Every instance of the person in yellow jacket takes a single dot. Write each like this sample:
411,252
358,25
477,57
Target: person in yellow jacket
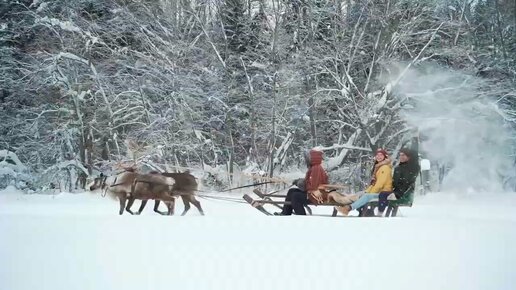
381,182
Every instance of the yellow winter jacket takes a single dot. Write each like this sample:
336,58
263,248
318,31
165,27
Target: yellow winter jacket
383,177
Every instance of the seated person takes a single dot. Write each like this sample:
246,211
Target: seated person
381,182
308,191
404,178
406,173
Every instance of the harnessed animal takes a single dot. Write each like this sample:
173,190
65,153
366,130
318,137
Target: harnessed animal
129,186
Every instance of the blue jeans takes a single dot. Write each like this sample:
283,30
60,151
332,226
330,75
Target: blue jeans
363,200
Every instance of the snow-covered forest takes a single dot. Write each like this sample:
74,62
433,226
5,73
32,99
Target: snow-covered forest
237,92
248,85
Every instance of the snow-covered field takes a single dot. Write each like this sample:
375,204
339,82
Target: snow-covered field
77,241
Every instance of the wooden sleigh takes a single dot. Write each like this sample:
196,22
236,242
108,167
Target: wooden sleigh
278,200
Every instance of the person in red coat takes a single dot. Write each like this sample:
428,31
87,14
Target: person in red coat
307,190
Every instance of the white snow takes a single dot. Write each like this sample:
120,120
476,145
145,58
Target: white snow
65,25
12,157
77,241
42,7
460,128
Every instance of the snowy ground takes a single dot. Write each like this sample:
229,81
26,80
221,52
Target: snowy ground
77,241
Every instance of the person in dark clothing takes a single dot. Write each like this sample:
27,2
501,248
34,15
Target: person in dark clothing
406,173
404,178
307,190
297,197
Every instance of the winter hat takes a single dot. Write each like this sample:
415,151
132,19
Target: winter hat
384,153
316,157
407,152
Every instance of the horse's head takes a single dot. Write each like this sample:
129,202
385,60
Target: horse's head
98,182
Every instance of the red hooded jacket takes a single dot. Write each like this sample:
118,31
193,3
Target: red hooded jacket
315,176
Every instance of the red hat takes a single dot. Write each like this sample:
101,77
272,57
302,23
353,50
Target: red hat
380,150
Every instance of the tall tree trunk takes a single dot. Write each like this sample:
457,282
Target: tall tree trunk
273,133
500,29
311,111
254,149
231,158
311,104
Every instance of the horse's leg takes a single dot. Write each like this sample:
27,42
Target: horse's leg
196,203
130,196
171,205
122,199
142,206
168,200
156,206
186,203
129,204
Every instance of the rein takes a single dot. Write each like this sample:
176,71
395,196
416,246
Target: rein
249,185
